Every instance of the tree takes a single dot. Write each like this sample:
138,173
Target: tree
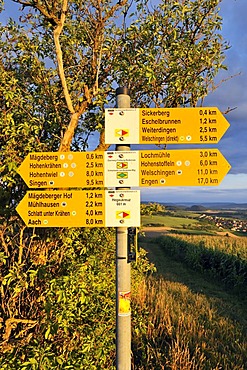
152,209
168,54
77,32
173,51
61,63
59,66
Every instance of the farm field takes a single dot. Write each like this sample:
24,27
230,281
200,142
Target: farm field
168,221
208,222
186,225
206,313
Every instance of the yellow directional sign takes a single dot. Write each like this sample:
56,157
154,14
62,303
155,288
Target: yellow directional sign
59,170
77,208
195,167
192,167
204,125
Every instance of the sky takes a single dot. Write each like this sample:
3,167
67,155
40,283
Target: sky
230,94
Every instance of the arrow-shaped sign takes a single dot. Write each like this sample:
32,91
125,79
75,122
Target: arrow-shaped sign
77,208
122,164
123,214
121,132
204,125
59,170
193,167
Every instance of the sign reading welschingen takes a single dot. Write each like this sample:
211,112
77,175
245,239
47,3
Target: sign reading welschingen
164,125
80,208
193,167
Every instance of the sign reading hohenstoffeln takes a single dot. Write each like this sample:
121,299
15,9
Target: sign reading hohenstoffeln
193,167
80,208
164,125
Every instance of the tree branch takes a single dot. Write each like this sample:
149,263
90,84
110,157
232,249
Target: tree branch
56,35
69,133
102,146
36,5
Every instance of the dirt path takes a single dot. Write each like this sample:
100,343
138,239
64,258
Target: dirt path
154,232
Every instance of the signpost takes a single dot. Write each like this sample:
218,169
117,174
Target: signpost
121,169
123,268
164,125
77,208
193,167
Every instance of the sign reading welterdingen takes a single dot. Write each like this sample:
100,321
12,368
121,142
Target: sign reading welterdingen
114,208
164,125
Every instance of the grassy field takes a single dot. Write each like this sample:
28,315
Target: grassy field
193,322
169,221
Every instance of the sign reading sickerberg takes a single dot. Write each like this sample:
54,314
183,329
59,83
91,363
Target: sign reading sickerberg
164,125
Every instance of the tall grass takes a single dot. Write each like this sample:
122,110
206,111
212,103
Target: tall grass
176,329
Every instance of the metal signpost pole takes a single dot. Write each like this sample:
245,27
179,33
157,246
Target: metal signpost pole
123,283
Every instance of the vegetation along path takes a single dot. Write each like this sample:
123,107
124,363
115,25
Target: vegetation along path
229,304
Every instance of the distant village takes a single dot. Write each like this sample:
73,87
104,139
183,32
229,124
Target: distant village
226,223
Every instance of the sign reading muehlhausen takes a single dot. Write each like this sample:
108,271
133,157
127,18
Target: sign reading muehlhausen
80,208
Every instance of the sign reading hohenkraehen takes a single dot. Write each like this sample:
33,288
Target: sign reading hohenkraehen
193,167
59,170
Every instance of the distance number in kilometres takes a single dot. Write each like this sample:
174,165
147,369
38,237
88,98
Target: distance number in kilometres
207,112
208,138
89,203
94,178
207,158
94,208
203,172
207,181
208,165
205,129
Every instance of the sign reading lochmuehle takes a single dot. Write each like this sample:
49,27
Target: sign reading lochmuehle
164,125
193,167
